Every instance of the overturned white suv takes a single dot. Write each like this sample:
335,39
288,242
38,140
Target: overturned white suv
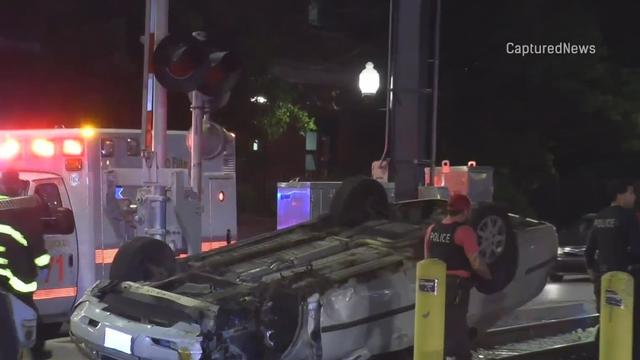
340,287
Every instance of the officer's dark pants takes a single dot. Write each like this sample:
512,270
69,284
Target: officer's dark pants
9,348
38,346
456,330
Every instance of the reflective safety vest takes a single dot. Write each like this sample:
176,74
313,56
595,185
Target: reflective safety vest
20,260
42,260
10,253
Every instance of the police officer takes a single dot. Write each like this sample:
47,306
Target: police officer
22,256
614,243
455,243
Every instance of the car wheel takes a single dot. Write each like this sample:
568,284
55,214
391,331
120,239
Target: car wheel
498,246
556,277
143,259
359,199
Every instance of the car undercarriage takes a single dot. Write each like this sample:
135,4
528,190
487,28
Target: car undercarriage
334,288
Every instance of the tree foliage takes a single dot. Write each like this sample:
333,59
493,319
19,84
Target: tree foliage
537,118
285,114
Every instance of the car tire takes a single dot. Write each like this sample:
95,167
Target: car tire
143,259
498,246
359,199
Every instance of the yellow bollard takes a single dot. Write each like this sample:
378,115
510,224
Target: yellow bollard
184,353
616,316
431,287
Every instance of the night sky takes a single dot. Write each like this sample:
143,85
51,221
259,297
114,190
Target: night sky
555,127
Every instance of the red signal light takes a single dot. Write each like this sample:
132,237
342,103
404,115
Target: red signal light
73,164
221,196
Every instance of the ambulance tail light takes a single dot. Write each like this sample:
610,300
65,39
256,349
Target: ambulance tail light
43,148
9,148
73,164
72,147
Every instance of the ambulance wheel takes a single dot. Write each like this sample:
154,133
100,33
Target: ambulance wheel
498,246
143,259
359,199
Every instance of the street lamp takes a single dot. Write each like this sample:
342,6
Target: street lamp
259,100
369,81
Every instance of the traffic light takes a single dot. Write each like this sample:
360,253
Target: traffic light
184,63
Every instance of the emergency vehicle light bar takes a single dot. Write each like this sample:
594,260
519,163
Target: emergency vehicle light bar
9,148
72,147
43,148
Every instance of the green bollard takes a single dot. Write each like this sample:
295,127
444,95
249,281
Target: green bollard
616,316
431,287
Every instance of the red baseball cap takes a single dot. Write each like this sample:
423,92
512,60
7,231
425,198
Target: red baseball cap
459,202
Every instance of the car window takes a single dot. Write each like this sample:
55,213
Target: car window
50,194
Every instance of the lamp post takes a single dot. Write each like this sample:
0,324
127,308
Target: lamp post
369,83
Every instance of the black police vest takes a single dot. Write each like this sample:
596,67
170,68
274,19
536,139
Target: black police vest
444,247
613,229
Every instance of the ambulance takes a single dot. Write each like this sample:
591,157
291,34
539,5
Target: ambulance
99,175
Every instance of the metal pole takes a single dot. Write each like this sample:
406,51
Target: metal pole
389,83
160,25
198,112
436,77
155,119
410,106
147,80
158,199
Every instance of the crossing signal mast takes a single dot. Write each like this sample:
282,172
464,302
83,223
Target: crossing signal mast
188,64
191,64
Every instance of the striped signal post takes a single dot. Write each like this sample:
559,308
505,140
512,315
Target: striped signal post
431,287
616,316
154,96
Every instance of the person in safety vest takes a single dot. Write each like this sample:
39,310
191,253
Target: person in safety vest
456,243
22,256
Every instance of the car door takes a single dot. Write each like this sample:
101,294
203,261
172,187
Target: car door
57,290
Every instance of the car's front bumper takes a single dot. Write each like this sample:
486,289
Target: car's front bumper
89,324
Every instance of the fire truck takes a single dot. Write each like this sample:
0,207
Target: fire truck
100,176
